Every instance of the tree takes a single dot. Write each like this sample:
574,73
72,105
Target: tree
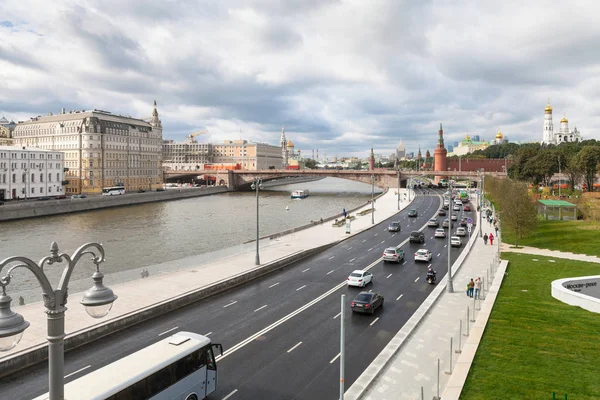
310,163
566,153
587,161
517,211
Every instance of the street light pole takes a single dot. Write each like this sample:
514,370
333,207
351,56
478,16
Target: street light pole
98,301
450,287
559,180
372,198
398,188
481,201
257,185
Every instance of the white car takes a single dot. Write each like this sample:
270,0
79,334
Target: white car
461,231
423,255
440,233
455,241
360,278
454,217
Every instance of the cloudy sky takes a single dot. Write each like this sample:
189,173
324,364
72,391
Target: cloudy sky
341,75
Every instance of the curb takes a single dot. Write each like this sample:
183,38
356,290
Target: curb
39,353
368,377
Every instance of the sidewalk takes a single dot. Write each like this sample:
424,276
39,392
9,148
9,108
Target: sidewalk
414,367
549,253
142,293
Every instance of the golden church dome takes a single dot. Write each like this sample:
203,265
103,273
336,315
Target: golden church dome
564,119
548,108
499,135
467,137
290,144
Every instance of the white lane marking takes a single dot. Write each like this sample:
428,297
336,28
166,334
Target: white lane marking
429,266
375,320
330,271
230,304
172,329
393,235
209,333
337,315
417,279
364,240
383,241
370,249
292,349
376,234
273,285
438,254
79,370
388,276
260,308
229,395
331,258
352,260
309,268
301,287
445,245
405,262
399,297
350,248
334,358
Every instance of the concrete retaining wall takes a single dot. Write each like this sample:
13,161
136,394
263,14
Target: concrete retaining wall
582,291
35,355
32,209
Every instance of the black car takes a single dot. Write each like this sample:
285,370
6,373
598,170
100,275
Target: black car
394,227
366,302
160,189
442,212
141,191
412,213
43,198
417,237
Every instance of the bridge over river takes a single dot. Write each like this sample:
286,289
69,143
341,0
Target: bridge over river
240,179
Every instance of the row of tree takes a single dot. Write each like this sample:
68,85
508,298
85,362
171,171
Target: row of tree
514,206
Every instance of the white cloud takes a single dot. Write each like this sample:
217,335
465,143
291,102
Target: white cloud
340,75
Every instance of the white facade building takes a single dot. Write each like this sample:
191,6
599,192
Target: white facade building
563,135
27,172
401,151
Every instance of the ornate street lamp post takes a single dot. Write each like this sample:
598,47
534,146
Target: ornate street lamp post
256,185
98,301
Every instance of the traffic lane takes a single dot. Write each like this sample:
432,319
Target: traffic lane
104,357
306,326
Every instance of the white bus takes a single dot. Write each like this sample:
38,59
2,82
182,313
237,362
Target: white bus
180,367
113,191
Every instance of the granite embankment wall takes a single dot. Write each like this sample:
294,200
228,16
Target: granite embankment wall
32,209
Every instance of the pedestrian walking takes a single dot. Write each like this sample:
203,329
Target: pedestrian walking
491,237
496,228
471,287
477,287
344,212
485,238
321,220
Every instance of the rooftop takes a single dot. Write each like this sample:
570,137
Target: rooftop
556,203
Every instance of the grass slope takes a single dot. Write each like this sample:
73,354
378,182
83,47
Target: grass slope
575,236
534,344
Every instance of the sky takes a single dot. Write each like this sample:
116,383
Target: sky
340,75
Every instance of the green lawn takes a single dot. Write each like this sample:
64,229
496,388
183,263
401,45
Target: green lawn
580,237
534,344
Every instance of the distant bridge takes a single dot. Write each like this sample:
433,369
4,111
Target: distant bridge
240,179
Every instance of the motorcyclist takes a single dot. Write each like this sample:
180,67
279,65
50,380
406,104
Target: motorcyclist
431,273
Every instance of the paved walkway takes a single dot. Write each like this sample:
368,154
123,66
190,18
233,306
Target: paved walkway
141,293
550,253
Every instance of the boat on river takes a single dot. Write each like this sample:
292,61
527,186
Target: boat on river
300,194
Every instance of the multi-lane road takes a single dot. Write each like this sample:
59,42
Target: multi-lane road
281,332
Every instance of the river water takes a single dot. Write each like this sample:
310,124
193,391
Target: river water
167,235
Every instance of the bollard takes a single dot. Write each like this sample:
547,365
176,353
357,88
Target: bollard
483,286
458,351
422,395
474,301
487,278
450,372
438,381
467,330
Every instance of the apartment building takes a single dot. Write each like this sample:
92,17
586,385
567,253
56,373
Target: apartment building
100,149
30,172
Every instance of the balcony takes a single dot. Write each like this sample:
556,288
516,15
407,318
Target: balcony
65,169
64,183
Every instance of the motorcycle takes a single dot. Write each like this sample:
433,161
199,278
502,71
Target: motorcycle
430,278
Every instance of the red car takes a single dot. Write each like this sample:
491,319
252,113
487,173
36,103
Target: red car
466,208
60,197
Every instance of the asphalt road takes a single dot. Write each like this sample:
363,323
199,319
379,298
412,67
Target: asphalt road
281,332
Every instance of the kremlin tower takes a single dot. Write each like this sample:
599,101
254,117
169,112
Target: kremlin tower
372,160
439,154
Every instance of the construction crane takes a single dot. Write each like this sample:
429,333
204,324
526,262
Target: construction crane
191,136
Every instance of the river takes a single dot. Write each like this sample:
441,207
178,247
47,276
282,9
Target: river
173,234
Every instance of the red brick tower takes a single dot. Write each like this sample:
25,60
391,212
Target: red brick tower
439,155
372,160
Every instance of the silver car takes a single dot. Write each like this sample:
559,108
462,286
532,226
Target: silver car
461,232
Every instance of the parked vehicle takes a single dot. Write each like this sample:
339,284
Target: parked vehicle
394,226
60,197
43,198
360,278
393,254
423,255
79,196
367,302
416,237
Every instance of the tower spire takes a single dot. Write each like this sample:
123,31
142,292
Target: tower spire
440,144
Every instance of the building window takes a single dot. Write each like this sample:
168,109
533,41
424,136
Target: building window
58,177
23,178
41,177
49,177
32,178
14,178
